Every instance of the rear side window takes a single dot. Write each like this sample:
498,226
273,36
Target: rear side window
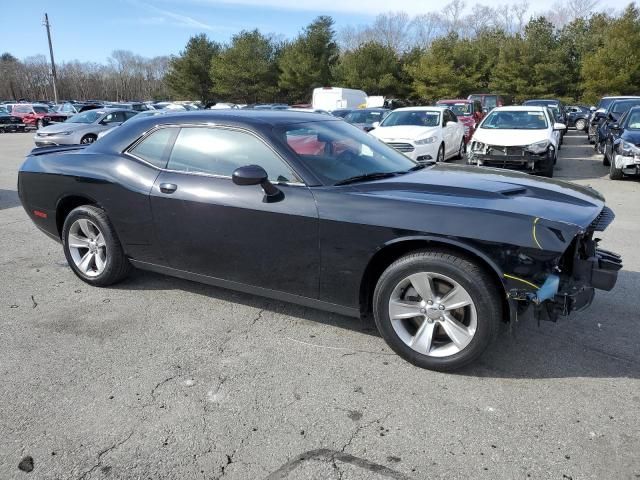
219,151
155,148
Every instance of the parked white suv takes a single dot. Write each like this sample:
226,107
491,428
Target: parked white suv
423,133
520,138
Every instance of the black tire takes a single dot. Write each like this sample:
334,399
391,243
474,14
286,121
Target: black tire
461,150
89,138
472,277
117,267
605,159
440,157
548,170
615,173
581,125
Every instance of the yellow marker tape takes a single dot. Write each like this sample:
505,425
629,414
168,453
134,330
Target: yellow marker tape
534,233
506,275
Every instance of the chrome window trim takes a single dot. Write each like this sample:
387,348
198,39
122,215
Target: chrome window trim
147,133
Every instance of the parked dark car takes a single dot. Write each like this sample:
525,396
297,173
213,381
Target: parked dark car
489,101
342,112
556,107
10,123
612,115
578,117
367,118
309,209
599,114
622,145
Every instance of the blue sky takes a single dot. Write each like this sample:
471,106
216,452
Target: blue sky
91,30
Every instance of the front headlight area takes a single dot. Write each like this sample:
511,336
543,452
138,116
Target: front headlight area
425,141
538,147
627,149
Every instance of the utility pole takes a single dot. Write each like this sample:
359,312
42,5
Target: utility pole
53,63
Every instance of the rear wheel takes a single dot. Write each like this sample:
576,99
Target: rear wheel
436,309
92,248
88,139
581,125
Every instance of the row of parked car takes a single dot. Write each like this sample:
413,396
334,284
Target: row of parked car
21,116
614,130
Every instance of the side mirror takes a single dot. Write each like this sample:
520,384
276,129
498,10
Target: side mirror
451,123
615,126
592,108
485,110
375,125
559,126
598,115
256,175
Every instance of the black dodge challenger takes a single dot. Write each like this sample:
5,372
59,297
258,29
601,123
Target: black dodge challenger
309,209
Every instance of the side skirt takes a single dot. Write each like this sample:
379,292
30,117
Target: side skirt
250,289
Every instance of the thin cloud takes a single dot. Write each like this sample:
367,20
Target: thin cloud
172,18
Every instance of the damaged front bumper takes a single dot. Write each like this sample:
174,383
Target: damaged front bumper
629,164
512,158
582,269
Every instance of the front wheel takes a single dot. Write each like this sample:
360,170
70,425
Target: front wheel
615,173
436,309
92,248
88,139
440,157
461,150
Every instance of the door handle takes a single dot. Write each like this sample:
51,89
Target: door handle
168,187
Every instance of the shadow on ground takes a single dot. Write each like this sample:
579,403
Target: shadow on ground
567,349
8,199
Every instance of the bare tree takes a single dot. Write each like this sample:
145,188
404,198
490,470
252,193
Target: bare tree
426,28
452,14
566,11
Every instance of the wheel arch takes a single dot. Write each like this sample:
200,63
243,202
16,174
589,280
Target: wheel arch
66,204
397,248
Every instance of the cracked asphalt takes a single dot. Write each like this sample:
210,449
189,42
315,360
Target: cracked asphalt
160,378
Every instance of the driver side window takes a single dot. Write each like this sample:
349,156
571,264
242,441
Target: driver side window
219,151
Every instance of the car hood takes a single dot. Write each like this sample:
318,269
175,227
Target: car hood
64,127
631,136
403,132
487,189
508,138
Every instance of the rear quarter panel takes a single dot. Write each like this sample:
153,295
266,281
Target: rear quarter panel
117,184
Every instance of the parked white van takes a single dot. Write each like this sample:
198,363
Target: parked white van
333,98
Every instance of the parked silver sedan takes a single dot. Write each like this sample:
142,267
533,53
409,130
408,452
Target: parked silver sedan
82,128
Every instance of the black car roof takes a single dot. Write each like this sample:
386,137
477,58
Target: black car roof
250,117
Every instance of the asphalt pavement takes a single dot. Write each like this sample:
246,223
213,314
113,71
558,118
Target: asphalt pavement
160,378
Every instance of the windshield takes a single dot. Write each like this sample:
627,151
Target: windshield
335,151
41,109
623,106
364,116
89,116
460,109
633,120
515,120
420,118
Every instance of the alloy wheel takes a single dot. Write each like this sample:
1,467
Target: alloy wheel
87,139
433,314
87,247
